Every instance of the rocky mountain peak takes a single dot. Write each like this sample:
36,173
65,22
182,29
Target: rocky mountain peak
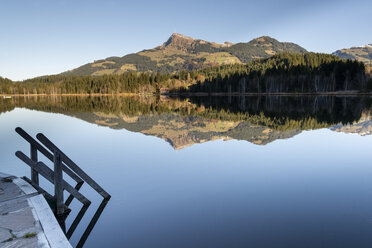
180,36
264,39
179,41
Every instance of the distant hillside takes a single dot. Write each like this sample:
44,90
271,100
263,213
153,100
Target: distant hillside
362,53
180,52
262,47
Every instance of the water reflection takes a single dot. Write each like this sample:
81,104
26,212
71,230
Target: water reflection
90,226
184,122
308,191
329,109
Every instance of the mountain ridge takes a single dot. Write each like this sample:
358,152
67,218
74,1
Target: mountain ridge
180,52
176,40
360,53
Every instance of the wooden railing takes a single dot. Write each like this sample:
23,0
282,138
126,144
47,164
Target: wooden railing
61,164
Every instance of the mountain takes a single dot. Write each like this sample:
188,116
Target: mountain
361,53
262,47
180,52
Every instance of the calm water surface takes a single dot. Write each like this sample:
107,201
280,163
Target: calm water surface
197,174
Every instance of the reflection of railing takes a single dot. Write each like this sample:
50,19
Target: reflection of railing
62,163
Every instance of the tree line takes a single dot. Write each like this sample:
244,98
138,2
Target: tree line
310,72
286,72
106,84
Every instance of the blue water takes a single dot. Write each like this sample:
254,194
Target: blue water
311,190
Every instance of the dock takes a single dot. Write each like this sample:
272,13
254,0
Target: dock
32,217
26,219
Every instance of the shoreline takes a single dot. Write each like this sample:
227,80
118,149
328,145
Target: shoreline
70,94
341,93
338,93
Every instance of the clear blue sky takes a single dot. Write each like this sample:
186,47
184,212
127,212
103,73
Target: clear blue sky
39,37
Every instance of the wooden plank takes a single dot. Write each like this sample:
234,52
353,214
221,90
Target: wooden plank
74,167
71,197
46,172
35,146
34,143
38,188
72,174
34,174
46,153
58,185
49,196
44,193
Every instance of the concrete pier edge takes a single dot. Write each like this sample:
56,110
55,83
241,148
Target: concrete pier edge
22,208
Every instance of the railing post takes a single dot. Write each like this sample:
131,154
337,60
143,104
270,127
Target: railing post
34,174
58,184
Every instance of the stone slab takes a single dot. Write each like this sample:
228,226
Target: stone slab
26,219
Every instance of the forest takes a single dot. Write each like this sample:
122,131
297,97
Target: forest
106,84
291,73
128,82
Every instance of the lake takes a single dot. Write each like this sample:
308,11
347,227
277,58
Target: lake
228,171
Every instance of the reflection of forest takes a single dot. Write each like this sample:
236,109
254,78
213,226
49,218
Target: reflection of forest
278,110
258,119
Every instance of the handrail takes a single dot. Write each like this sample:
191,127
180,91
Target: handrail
46,172
47,154
74,167
62,163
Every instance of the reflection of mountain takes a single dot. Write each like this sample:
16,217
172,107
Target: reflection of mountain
280,111
259,120
361,127
183,131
